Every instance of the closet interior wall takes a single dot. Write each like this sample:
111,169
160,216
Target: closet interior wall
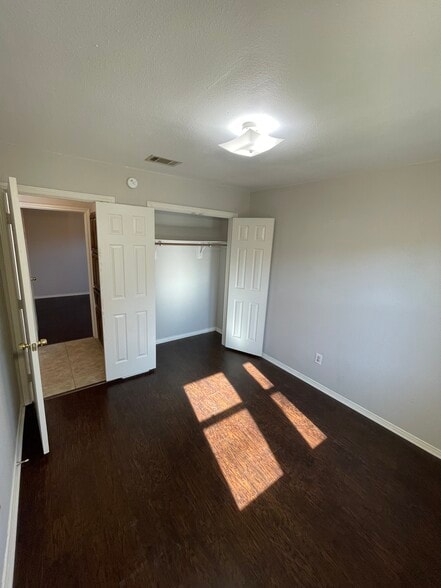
189,284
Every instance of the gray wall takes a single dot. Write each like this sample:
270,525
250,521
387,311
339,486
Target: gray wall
170,225
356,275
9,412
50,170
187,290
57,252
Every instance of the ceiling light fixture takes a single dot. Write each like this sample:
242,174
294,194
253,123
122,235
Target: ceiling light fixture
264,123
253,138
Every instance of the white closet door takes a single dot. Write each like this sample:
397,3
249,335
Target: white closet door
126,251
251,241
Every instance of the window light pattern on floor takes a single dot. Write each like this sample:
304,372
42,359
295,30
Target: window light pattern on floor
310,432
244,457
258,376
242,453
211,396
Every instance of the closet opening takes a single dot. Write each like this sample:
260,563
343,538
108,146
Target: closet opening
60,254
190,265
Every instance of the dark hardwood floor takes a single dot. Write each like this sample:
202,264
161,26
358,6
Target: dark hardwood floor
221,470
64,318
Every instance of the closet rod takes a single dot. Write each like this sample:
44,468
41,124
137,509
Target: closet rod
191,243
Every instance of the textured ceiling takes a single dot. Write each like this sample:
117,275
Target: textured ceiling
355,84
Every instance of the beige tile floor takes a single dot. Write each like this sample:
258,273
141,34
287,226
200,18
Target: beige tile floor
71,365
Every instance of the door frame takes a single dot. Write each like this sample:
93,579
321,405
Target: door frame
10,294
63,200
51,198
193,210
44,203
61,194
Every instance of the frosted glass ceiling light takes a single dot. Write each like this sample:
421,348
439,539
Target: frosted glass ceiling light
251,142
263,123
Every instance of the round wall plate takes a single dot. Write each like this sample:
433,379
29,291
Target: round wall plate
132,182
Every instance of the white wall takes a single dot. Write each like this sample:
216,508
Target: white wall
50,170
9,412
186,290
356,276
57,252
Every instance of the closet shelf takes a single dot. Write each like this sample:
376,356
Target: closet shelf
191,243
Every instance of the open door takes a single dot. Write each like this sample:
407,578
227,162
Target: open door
126,252
26,319
250,246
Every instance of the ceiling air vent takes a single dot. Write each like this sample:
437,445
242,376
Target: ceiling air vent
162,160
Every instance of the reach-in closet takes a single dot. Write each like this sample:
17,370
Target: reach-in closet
190,258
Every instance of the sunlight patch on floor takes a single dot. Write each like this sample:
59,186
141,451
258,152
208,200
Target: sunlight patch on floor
244,457
211,396
310,433
257,375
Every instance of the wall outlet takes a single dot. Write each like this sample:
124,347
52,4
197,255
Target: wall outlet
318,358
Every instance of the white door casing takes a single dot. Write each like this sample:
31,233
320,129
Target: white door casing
25,308
126,252
13,305
250,247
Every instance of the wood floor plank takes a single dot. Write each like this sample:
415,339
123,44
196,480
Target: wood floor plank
133,495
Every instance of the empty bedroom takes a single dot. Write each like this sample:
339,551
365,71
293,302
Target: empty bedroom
220,293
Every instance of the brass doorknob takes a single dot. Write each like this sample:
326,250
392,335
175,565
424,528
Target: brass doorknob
33,346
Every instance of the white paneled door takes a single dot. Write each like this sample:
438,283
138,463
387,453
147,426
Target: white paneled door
126,252
18,279
251,241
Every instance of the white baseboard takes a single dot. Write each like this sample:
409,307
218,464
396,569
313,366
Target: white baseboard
185,335
364,411
9,560
218,330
